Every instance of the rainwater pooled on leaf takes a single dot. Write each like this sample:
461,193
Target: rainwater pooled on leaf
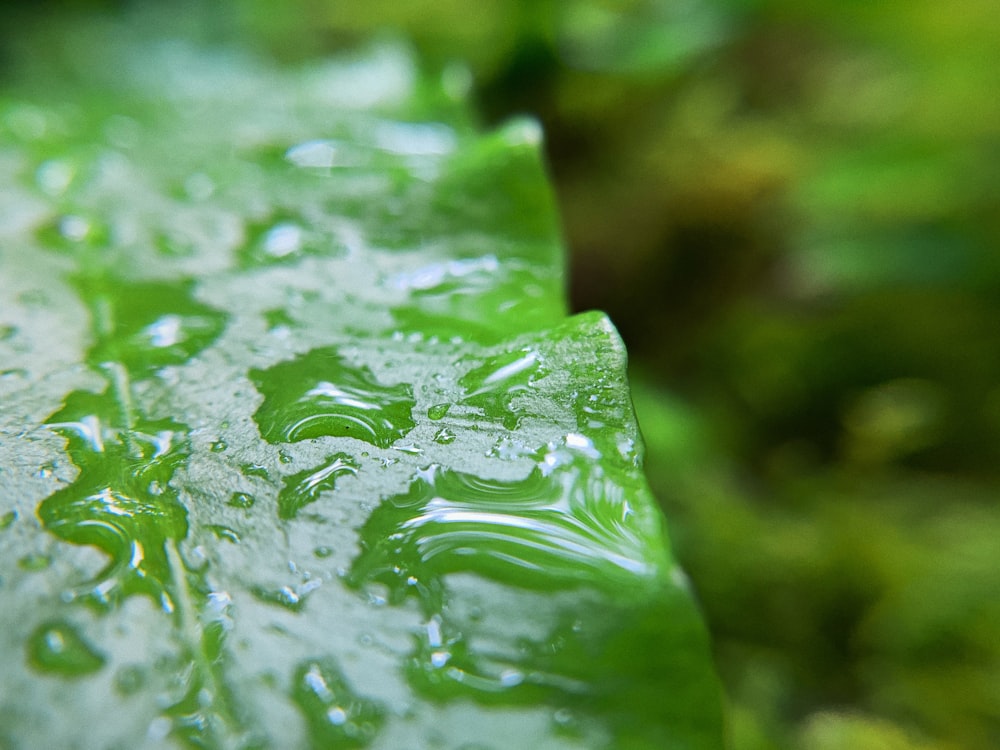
305,487
319,394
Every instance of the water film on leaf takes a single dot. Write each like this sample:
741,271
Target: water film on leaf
298,447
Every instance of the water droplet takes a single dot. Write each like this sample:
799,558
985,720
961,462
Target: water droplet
74,230
218,446
410,448
523,131
285,457
415,139
305,487
130,680
241,500
255,470
566,722
159,729
45,470
335,716
511,678
323,551
322,155
55,176
57,648
7,519
224,533
444,436
319,394
438,411
285,597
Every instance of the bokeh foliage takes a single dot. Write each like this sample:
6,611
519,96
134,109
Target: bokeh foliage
789,209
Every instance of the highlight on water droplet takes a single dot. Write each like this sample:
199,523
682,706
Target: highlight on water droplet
566,452
54,176
73,232
319,394
283,239
324,154
306,486
453,276
77,228
415,138
57,648
508,448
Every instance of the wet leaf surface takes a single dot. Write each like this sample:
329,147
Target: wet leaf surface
292,406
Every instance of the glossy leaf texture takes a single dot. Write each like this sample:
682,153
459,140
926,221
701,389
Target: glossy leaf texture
298,445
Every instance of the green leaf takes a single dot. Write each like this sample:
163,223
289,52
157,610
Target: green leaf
298,446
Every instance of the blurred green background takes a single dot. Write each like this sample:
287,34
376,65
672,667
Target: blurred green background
790,210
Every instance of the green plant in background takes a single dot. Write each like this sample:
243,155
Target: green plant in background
298,445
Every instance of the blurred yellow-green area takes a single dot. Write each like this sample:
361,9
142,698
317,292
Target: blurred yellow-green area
791,210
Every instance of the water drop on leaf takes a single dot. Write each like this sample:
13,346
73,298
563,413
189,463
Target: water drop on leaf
57,648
